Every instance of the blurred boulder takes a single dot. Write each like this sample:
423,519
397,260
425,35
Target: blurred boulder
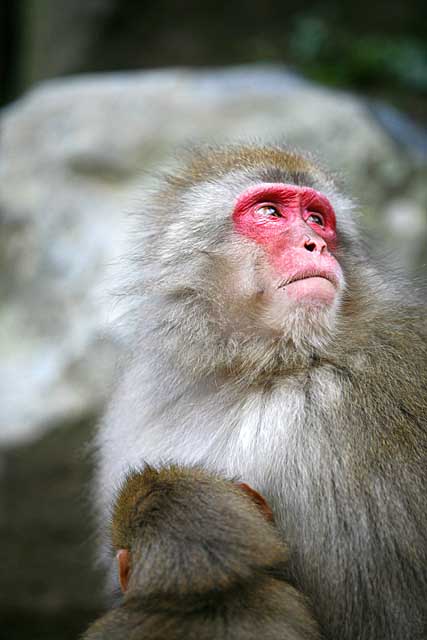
74,155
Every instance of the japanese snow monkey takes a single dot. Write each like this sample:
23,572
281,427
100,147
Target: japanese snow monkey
199,559
269,347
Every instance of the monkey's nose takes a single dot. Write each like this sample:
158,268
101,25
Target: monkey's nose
314,244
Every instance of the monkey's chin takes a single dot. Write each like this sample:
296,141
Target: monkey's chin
303,312
314,291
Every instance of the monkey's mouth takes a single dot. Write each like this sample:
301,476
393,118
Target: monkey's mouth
307,276
312,288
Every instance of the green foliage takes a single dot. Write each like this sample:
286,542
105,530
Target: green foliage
333,55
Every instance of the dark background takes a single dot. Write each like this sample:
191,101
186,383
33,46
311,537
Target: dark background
372,47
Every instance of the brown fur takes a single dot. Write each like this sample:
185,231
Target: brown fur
205,563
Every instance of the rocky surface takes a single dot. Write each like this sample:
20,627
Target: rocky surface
74,156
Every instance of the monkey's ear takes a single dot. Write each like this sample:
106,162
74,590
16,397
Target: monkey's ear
258,499
123,563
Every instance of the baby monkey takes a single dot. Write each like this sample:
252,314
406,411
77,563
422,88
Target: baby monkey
199,558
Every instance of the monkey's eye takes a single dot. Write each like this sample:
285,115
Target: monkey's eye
316,218
269,211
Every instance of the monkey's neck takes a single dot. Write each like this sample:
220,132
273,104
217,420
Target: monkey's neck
189,339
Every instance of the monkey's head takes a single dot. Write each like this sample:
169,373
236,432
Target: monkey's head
249,245
168,521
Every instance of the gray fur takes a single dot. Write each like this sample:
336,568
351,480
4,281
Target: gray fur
328,421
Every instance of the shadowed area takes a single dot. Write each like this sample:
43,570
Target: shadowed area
49,586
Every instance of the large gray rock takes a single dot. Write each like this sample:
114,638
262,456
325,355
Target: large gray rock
71,161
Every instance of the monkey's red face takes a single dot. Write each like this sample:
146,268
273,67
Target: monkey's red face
296,226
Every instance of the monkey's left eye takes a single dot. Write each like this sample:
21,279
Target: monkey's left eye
269,211
316,218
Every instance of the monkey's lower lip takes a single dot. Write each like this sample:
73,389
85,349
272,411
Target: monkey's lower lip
315,276
317,289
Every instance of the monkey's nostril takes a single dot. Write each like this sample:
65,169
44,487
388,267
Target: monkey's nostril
310,246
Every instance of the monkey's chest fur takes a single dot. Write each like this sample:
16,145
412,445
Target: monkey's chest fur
309,444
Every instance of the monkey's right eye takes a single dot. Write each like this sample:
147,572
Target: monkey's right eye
269,211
